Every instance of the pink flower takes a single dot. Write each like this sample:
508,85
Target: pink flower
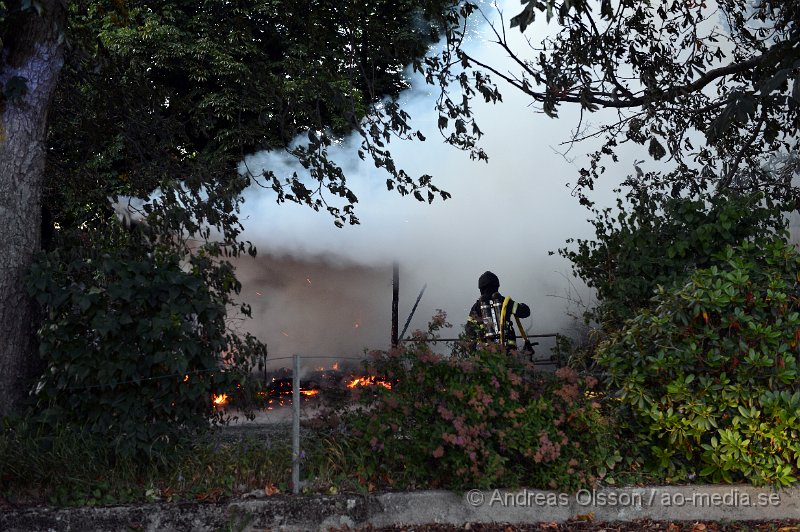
567,374
446,414
568,392
439,452
548,450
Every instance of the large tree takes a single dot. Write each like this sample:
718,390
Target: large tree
163,100
711,88
32,57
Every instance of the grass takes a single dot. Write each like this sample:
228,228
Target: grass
69,469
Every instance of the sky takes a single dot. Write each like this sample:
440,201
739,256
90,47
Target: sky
318,290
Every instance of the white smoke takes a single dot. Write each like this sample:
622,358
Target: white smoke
504,216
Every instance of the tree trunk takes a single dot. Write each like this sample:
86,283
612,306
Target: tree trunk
33,50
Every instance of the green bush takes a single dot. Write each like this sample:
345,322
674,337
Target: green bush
134,347
658,240
708,378
481,421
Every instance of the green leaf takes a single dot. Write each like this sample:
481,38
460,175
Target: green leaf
655,149
525,18
774,82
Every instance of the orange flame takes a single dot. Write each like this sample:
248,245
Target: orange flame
309,392
368,381
219,400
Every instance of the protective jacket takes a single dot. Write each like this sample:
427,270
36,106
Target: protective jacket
490,319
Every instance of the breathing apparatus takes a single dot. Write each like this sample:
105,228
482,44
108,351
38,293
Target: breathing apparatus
492,317
496,325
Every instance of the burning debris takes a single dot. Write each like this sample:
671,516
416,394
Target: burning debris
369,381
276,388
219,400
279,392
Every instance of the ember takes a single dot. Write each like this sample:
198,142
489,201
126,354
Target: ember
281,389
321,382
219,400
368,381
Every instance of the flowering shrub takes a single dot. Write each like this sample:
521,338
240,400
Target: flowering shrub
709,377
482,421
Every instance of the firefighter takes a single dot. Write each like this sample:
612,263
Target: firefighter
490,317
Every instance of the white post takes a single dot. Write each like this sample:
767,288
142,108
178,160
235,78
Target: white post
296,425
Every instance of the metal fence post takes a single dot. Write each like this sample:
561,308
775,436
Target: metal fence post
395,292
296,425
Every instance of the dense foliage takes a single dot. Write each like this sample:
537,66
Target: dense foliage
480,421
654,240
177,91
135,347
162,103
708,379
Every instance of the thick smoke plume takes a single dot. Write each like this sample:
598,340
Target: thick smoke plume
504,216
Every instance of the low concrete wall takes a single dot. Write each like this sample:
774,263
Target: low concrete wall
675,503
283,512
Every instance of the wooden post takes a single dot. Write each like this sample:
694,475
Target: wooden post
395,292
